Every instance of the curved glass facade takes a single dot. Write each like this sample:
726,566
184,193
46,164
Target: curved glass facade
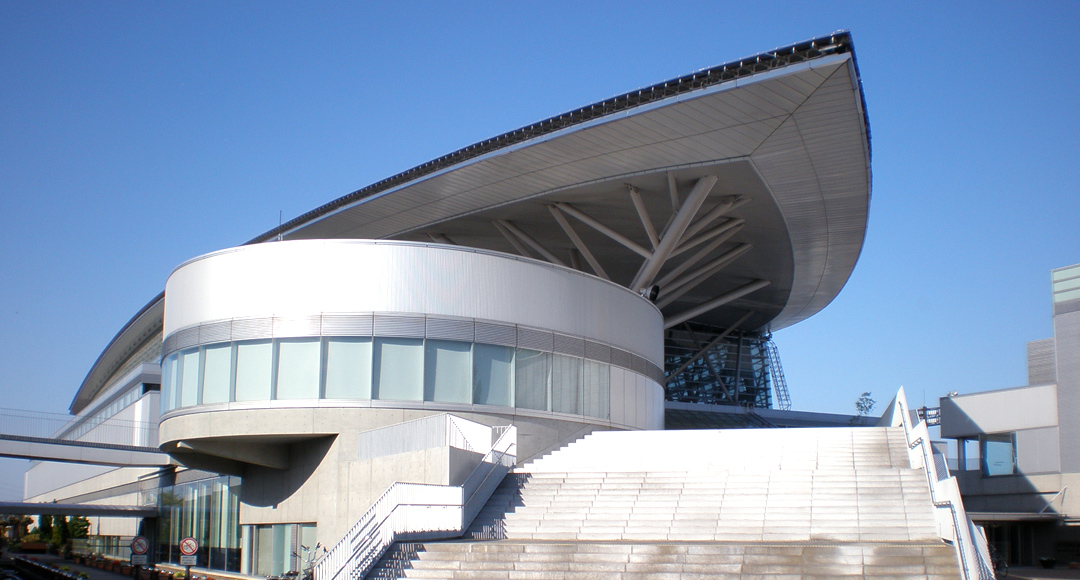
387,369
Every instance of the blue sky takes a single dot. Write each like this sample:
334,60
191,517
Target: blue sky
134,136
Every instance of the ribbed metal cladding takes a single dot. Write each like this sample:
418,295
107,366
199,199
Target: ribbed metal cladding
399,326
297,326
252,328
215,332
535,339
347,324
598,352
441,328
569,345
620,358
500,334
187,338
168,345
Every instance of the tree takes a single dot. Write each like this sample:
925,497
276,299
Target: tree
78,527
60,532
44,524
864,404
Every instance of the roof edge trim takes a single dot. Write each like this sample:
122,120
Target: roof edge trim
839,42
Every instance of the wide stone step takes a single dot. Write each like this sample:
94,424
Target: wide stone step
622,561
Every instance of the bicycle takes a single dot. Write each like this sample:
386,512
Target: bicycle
999,562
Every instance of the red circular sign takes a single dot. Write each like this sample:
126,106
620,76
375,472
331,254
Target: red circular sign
188,546
139,545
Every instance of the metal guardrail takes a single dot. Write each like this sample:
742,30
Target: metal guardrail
61,428
412,511
970,545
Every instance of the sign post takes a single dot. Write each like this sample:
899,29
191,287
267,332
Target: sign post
139,547
189,547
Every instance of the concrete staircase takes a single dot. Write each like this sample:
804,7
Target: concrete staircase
710,504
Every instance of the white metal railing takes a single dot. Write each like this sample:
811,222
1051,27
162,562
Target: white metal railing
442,430
61,427
412,511
954,525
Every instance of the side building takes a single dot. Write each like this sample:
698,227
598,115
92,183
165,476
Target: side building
563,278
1019,449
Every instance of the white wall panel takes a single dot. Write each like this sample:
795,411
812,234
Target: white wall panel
295,280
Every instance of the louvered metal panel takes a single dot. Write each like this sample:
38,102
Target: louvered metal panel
620,357
535,339
447,329
187,338
215,332
639,365
252,328
598,352
168,345
347,324
399,326
500,334
297,326
569,345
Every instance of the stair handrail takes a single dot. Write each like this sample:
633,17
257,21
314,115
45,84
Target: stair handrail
407,511
970,546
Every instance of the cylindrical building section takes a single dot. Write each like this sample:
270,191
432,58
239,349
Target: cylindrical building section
368,326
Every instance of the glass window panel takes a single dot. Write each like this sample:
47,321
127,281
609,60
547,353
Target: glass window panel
348,368
217,372
493,375
168,383
532,371
998,454
254,362
307,550
264,549
566,391
399,369
298,369
189,377
447,372
597,389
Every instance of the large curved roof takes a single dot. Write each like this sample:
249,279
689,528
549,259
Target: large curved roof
736,194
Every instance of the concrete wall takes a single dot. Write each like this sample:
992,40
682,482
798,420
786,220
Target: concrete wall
323,480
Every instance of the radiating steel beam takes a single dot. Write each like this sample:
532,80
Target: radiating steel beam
674,290
711,233
513,240
714,303
644,215
578,243
531,242
588,220
673,190
575,260
442,239
693,260
711,344
719,210
674,232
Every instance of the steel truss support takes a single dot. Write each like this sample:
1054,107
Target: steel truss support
678,225
442,239
676,289
589,221
715,303
639,205
578,243
531,242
